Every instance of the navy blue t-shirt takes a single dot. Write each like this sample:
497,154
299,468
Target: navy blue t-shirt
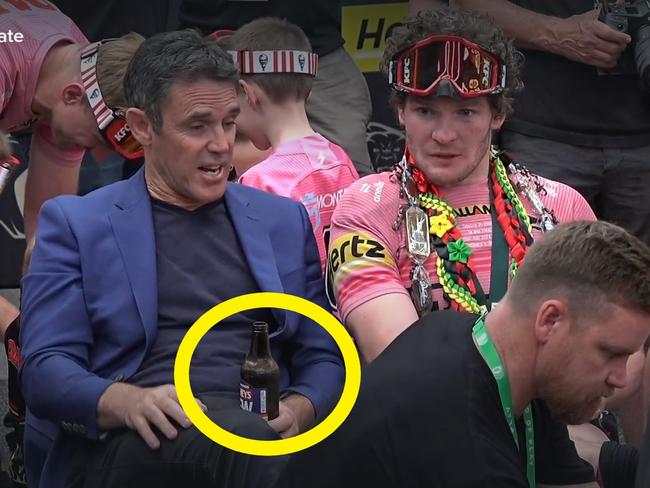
200,264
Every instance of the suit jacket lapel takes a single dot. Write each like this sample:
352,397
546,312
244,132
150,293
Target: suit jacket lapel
256,244
132,222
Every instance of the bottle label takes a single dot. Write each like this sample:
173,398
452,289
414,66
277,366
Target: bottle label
253,399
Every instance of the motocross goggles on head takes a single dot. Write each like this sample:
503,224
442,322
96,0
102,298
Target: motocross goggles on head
447,65
111,122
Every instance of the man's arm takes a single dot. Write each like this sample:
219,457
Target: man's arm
312,358
56,334
47,177
372,299
376,323
580,38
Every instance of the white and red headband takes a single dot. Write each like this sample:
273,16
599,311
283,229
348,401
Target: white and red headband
281,61
103,113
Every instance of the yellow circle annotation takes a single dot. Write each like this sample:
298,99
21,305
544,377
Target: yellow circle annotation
267,300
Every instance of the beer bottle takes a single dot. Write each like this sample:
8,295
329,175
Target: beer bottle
260,376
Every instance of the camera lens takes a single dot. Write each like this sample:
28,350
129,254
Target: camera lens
642,54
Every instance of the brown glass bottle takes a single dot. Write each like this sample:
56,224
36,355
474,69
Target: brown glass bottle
259,388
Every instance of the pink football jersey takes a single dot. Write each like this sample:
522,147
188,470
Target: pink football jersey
310,170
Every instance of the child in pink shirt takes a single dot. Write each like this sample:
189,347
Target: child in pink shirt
277,66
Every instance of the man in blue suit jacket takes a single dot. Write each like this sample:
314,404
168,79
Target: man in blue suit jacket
117,277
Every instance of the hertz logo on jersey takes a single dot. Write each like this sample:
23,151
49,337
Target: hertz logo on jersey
353,251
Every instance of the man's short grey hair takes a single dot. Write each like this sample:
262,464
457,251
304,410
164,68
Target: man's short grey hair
172,57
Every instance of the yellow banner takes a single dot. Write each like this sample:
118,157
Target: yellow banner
365,28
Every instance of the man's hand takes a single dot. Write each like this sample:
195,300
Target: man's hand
296,416
585,39
141,408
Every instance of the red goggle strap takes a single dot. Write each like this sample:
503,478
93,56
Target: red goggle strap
281,61
392,74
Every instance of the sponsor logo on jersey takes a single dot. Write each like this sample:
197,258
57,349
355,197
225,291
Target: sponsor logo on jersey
377,188
470,210
315,203
326,200
354,251
485,209
329,277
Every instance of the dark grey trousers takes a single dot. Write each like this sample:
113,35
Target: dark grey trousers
125,461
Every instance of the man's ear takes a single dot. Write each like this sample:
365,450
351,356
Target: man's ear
140,125
497,120
552,315
252,92
73,93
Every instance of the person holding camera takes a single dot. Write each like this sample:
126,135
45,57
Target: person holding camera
584,117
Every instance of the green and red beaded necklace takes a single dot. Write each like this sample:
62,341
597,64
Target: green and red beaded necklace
454,262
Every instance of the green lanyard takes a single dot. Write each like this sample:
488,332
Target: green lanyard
492,359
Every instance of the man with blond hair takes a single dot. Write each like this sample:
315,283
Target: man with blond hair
51,101
43,87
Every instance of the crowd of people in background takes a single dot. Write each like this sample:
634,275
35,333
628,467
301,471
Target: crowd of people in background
495,281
